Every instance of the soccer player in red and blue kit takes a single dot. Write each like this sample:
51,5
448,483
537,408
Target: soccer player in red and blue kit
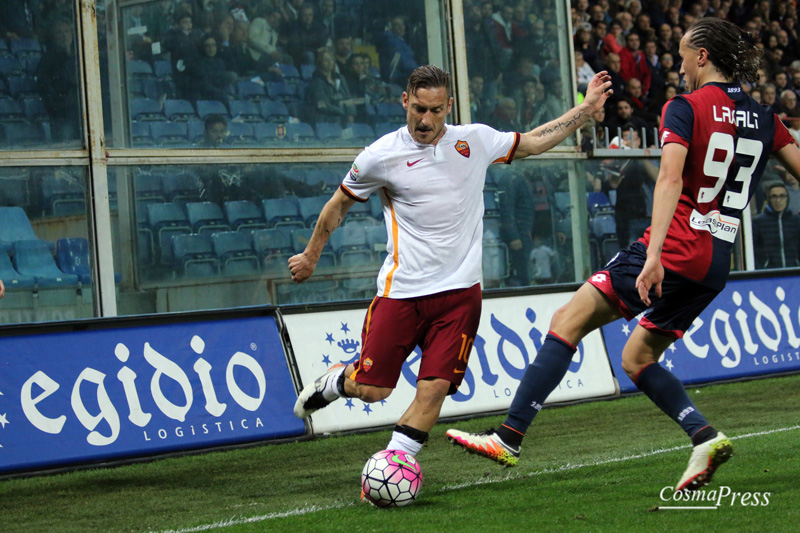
716,141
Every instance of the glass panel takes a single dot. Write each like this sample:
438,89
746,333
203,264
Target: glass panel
528,225
213,236
518,77
45,257
263,74
40,84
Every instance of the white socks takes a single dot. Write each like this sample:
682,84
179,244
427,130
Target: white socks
404,443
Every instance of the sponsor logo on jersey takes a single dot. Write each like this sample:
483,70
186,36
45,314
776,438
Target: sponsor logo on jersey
412,163
354,172
463,148
720,226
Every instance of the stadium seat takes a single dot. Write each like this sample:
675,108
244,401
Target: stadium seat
300,132
306,71
235,252
211,107
25,47
272,241
136,68
273,111
14,226
329,131
166,220
245,111
33,258
140,135
377,239
22,87
206,217
382,128
72,257
280,90
351,241
269,132
14,188
603,225
244,215
194,255
10,111
310,208
11,278
63,194
240,134
598,201
181,187
10,66
283,212
22,134
390,112
179,110
361,132
169,133
146,110
162,70
34,108
30,64
148,188
249,90
289,71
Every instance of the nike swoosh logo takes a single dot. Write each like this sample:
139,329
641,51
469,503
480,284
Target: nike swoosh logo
457,371
410,164
396,459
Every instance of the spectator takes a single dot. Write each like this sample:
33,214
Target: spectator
477,101
790,113
613,63
643,28
674,78
17,19
304,36
641,106
624,119
612,42
776,231
505,115
223,30
664,43
327,95
634,64
769,96
583,70
214,131
264,36
599,32
634,184
236,56
342,50
58,83
533,107
505,35
363,88
182,44
586,45
208,79
594,129
480,57
517,214
395,54
524,69
755,93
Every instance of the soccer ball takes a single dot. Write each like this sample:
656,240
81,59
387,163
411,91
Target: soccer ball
391,478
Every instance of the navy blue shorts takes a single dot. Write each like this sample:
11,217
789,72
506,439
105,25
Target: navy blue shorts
682,300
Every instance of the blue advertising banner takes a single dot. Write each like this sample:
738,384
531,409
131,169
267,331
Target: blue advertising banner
751,328
111,393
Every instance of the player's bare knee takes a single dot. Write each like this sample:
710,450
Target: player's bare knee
371,394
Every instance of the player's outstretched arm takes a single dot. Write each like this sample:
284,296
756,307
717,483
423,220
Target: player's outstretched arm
303,264
789,156
665,199
548,135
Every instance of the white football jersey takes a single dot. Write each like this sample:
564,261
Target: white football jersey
432,199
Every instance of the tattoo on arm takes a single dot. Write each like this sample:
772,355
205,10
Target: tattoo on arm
560,125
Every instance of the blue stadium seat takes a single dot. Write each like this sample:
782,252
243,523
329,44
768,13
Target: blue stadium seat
63,194
330,178
240,134
14,226
181,187
206,217
250,90
362,132
25,47
11,278
34,108
300,238
350,240
377,238
140,135
390,112
179,110
196,131
598,201
283,91
72,257
382,128
272,241
273,111
22,134
306,71
211,107
310,208
170,133
300,132
33,258
289,71
10,66
146,109
270,132
328,131
246,111
10,111
136,68
14,188
194,255
603,225
166,220
283,212
22,87
235,252
163,70
148,188
30,64
244,215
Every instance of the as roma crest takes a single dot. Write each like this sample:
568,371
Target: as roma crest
463,148
366,365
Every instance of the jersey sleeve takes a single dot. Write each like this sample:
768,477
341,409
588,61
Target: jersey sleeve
500,146
365,176
677,122
782,135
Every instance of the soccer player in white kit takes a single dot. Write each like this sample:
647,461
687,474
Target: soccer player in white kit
429,176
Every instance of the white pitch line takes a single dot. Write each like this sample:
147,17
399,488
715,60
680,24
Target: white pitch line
507,477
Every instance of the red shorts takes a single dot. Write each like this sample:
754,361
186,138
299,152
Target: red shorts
443,325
